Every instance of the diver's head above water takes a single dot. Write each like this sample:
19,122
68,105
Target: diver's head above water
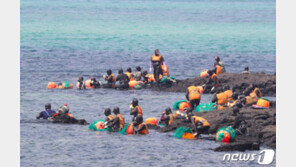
135,102
107,111
116,110
156,52
109,72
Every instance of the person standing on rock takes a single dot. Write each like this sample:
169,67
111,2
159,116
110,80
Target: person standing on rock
212,82
193,96
218,65
157,61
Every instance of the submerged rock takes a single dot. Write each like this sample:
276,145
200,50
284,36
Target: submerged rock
68,120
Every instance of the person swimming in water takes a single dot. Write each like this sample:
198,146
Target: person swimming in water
110,78
118,122
47,113
136,110
139,127
94,83
122,80
81,83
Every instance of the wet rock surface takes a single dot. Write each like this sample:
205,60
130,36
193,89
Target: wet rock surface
64,119
260,131
265,82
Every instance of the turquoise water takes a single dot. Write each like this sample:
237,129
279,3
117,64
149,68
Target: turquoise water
190,32
64,39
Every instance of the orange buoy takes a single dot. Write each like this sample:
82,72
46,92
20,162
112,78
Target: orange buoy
87,84
100,125
133,83
151,121
130,130
263,103
204,73
187,135
183,105
51,85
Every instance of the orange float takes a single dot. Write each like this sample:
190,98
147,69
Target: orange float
51,85
87,84
263,103
133,83
183,105
130,130
204,73
100,125
187,135
151,121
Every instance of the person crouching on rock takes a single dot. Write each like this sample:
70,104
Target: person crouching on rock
193,96
47,113
122,80
145,77
138,74
168,117
246,71
110,78
136,110
129,73
201,125
212,82
139,126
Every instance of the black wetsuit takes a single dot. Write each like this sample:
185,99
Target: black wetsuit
123,81
110,82
95,83
114,124
157,68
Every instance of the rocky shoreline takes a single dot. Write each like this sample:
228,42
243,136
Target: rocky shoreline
265,82
261,127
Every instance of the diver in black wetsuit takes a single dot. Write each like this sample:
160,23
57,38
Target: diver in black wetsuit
95,83
122,80
157,61
81,84
110,80
138,74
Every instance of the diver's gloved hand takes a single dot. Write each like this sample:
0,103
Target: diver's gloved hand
195,135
